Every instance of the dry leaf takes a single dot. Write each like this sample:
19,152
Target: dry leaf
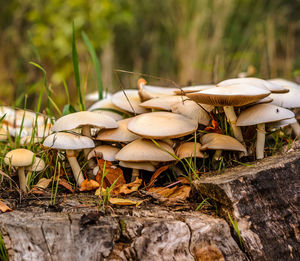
215,125
88,185
124,202
156,174
42,184
184,180
113,173
127,188
175,193
65,184
4,208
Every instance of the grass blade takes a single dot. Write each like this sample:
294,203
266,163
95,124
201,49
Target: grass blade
95,62
76,70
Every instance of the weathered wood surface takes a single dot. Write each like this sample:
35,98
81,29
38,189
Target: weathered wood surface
264,199
153,234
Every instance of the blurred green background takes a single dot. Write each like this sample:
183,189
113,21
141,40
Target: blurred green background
196,41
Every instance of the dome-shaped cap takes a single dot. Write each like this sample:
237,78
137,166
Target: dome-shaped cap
234,95
145,150
137,165
283,82
19,157
272,87
119,99
68,141
193,111
82,118
106,152
263,113
282,123
215,141
121,134
287,100
196,88
37,165
163,103
160,125
189,149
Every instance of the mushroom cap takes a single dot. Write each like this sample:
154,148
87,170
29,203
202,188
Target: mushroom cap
145,150
163,103
26,140
284,83
82,118
263,113
287,100
282,123
121,134
193,111
189,149
196,88
233,95
267,99
160,125
19,157
37,165
271,86
106,152
137,165
119,99
68,141
215,141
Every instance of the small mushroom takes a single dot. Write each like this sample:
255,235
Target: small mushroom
106,152
20,158
189,149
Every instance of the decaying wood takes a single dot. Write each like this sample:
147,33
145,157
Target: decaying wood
264,200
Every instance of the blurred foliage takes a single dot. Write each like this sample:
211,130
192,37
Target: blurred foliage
196,41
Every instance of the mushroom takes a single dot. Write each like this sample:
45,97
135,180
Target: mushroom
196,88
161,125
143,150
70,143
228,97
106,152
128,100
219,142
20,158
189,149
121,134
147,92
163,103
37,165
136,166
259,115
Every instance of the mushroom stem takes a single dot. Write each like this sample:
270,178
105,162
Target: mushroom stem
260,141
134,175
22,179
296,129
75,167
231,116
86,131
217,155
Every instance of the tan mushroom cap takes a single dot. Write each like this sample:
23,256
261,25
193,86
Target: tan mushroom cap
287,100
145,150
160,125
193,111
106,152
189,149
272,87
283,82
234,95
263,113
121,134
19,157
163,103
119,99
281,124
68,141
196,88
137,165
83,118
37,165
214,141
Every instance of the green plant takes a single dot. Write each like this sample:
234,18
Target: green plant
3,251
201,204
236,229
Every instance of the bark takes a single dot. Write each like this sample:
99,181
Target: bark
264,200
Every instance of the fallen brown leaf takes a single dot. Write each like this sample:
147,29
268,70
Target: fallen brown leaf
113,173
156,174
65,184
4,208
124,202
184,180
127,188
42,184
174,193
88,185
